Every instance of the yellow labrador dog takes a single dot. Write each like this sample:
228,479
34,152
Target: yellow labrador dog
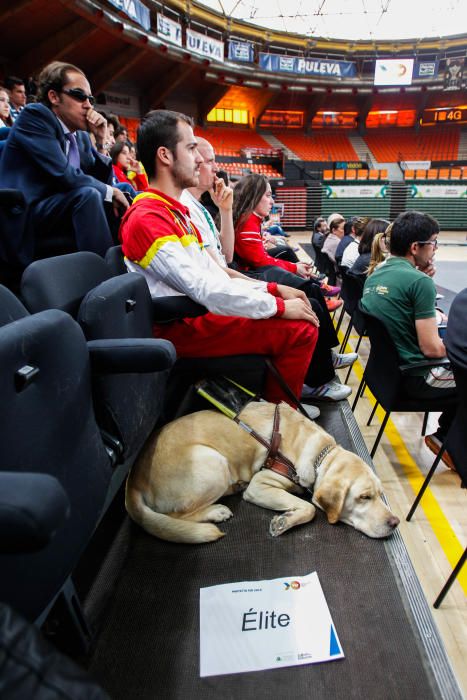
185,468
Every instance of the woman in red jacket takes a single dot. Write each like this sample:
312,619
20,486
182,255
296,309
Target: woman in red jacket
122,162
253,201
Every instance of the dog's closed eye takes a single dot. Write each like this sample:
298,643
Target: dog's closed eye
366,497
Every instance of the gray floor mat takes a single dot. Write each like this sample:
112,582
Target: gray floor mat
149,642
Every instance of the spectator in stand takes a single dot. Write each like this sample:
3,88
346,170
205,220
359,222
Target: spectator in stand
161,242
374,226
5,116
252,202
334,237
66,183
403,296
350,253
379,251
17,91
122,162
320,231
121,133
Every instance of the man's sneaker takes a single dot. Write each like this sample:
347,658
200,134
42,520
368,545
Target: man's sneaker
434,444
332,391
313,411
333,304
330,291
339,361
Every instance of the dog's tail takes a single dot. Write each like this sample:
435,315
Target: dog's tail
167,527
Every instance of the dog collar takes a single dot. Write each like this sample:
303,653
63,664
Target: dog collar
321,457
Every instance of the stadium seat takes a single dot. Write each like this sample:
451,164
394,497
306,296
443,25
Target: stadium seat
455,173
409,174
432,174
373,174
383,174
339,174
443,174
420,174
362,174
328,174
350,174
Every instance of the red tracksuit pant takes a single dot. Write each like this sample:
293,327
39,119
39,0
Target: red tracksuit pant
289,344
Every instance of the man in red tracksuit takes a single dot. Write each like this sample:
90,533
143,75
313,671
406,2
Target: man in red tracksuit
160,241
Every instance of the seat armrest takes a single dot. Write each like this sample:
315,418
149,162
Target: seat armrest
134,355
174,308
32,508
408,369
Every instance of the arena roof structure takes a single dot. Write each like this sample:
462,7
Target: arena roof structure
353,20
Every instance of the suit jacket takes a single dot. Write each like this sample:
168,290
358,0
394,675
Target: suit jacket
456,332
34,161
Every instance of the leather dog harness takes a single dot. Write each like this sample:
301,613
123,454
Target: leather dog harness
275,460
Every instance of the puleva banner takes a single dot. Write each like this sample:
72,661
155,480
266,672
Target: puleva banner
306,66
205,45
135,10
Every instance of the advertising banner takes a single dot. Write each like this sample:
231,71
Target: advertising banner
254,625
204,45
430,191
306,66
344,191
135,10
426,69
120,103
169,30
454,74
415,164
241,51
281,118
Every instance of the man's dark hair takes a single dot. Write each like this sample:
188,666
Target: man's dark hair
409,227
318,222
158,128
373,227
54,77
348,228
11,81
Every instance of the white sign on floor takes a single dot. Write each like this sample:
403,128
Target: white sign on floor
254,625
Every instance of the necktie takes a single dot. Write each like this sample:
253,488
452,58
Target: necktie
73,153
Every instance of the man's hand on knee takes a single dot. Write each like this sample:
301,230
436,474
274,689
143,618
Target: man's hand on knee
119,201
299,310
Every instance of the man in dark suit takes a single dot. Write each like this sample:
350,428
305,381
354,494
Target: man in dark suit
49,156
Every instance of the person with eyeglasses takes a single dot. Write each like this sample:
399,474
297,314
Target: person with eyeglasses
65,181
403,295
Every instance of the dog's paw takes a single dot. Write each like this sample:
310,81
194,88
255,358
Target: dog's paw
219,513
278,525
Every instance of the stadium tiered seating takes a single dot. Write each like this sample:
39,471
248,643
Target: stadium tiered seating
351,174
455,173
238,169
325,146
391,145
229,141
295,206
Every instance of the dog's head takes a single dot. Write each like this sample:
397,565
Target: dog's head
348,491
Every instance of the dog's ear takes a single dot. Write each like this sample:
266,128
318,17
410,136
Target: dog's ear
332,501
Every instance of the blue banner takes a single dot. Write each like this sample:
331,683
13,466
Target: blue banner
241,51
306,66
425,69
135,10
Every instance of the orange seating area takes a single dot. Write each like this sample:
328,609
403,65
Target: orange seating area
324,146
456,173
392,145
351,174
229,141
131,126
238,169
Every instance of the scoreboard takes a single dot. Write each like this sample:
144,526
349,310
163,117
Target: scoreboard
446,115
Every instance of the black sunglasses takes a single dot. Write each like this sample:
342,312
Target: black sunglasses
79,95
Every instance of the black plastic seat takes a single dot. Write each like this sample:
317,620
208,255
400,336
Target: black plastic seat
384,375
47,425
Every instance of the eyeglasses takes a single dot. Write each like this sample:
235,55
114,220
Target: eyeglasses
79,95
434,243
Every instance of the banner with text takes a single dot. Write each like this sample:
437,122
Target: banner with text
120,103
344,191
254,625
241,51
426,69
306,66
204,45
135,10
169,30
430,191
